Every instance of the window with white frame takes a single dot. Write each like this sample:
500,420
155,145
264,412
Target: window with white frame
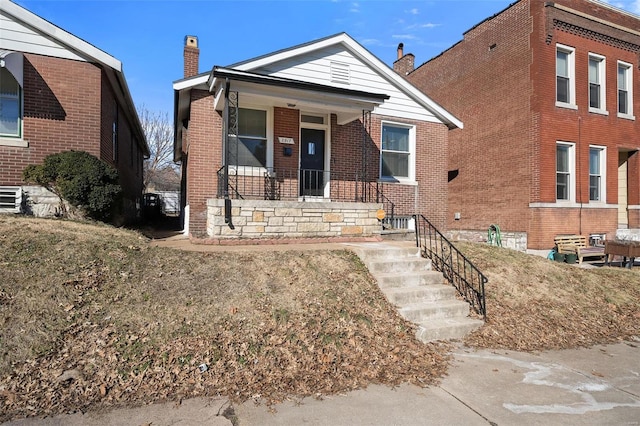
597,168
396,158
625,90
10,105
565,171
597,81
565,76
250,149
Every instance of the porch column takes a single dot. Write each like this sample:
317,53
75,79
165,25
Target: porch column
230,138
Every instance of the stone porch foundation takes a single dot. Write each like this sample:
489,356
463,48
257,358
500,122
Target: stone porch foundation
265,219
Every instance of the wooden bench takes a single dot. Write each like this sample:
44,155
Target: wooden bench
577,244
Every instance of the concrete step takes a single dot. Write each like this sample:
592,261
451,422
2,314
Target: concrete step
423,311
419,293
446,328
409,279
416,264
403,296
384,252
398,235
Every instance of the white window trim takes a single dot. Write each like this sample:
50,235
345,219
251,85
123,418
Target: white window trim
14,64
603,174
412,154
629,77
572,76
572,172
254,170
602,69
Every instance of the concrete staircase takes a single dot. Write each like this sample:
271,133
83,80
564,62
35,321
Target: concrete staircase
420,293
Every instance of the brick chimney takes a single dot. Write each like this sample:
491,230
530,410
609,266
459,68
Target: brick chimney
191,56
405,63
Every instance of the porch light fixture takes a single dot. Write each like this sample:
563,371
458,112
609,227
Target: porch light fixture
291,105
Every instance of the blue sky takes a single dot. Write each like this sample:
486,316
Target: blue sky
148,35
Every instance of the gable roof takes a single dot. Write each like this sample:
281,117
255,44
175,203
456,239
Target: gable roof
66,41
364,55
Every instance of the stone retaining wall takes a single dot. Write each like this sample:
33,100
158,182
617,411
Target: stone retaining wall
512,240
254,219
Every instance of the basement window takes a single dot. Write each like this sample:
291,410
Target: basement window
10,199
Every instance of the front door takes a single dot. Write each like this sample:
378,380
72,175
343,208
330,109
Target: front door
312,162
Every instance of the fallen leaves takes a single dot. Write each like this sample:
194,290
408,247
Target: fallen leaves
131,327
536,304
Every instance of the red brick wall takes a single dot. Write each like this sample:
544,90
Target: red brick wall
488,89
429,195
128,156
204,142
61,112
191,57
546,223
500,81
404,65
286,123
68,105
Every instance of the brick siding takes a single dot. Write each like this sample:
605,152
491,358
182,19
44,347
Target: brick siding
204,144
68,105
428,196
500,81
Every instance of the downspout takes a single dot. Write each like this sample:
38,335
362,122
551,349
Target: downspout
225,129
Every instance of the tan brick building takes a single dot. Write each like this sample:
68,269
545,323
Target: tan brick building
60,93
306,142
549,93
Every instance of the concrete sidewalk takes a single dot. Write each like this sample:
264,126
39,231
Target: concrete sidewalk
595,386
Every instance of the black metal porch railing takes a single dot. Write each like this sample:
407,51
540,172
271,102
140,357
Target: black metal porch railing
455,267
248,182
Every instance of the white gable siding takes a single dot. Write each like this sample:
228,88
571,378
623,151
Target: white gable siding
20,38
315,67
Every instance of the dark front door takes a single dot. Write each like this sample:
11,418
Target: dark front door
312,162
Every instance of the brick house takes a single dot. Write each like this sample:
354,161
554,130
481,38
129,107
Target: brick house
548,92
60,93
309,141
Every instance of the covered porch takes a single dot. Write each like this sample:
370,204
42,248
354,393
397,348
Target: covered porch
298,160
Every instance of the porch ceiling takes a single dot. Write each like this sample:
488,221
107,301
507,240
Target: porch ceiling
287,93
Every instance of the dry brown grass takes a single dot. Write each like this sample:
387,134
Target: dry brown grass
93,317
537,304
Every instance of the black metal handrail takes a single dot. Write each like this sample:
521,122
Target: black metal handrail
268,183
455,267
373,192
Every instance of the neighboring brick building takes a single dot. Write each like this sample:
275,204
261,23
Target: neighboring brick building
60,93
548,92
306,158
